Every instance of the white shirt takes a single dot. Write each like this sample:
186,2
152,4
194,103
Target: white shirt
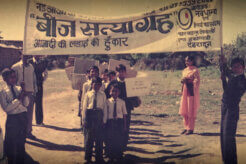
9,104
104,86
120,108
88,103
86,88
29,76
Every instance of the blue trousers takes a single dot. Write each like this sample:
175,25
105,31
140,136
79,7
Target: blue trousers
93,133
229,119
15,138
115,138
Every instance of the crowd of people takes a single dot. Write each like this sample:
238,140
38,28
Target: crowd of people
106,113
105,109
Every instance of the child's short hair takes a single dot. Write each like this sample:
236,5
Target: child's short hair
112,73
105,72
121,67
237,60
6,72
115,85
95,68
96,80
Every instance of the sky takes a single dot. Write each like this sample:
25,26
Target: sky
12,13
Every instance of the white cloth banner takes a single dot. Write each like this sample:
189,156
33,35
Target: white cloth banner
179,25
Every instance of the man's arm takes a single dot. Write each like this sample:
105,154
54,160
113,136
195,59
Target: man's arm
45,74
84,107
224,71
8,106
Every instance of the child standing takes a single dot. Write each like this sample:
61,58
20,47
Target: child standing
131,102
116,124
93,72
234,88
12,101
94,117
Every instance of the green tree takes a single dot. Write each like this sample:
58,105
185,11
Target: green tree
237,48
241,45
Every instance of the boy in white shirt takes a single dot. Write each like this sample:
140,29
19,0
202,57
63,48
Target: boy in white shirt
116,124
111,77
13,102
131,102
94,117
93,72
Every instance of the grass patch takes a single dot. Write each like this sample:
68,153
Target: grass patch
166,88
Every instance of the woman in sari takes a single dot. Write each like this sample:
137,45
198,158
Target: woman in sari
190,100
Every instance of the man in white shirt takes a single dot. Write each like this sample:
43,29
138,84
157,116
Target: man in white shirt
12,99
30,86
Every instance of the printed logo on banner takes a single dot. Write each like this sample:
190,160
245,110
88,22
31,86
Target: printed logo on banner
185,18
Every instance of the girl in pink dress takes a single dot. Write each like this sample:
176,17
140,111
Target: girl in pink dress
190,100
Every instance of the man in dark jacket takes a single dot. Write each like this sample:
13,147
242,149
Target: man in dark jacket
40,65
234,88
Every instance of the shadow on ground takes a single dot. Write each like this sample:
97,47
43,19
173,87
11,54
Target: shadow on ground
60,128
141,134
52,146
29,160
129,158
217,134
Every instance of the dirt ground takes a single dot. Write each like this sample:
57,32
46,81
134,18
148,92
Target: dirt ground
153,139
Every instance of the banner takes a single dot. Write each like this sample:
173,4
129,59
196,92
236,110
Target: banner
179,25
